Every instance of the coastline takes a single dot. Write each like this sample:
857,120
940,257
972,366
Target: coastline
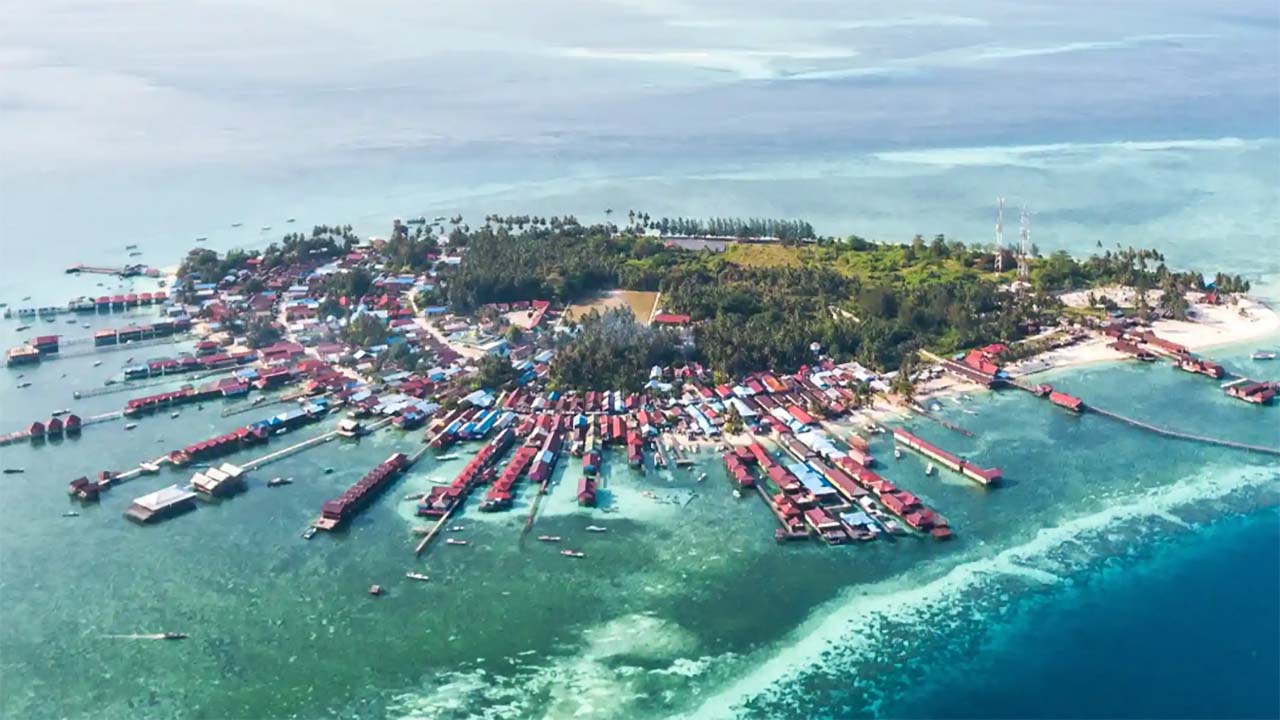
1214,326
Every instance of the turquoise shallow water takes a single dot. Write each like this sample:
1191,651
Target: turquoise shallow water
1143,124
673,612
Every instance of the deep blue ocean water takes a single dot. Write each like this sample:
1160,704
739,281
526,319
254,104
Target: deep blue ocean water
1188,629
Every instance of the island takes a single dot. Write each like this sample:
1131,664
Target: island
532,339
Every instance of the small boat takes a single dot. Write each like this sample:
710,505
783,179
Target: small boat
26,384
130,247
549,538
278,481
236,224
1263,355
72,321
23,327
422,531
328,471
14,471
26,298
573,553
71,513
309,533
130,426
266,228
375,590
414,496
259,400
63,411
417,576
173,636
201,239
447,457
928,469
86,326
281,431
109,382
737,493
149,467
702,477
96,363
174,414
135,254
456,528
290,220
596,529
897,454
454,541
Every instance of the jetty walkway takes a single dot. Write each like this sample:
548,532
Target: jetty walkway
1179,435
1163,431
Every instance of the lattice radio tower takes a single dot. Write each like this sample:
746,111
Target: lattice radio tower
999,234
1024,247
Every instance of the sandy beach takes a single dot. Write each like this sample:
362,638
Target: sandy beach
1209,326
1216,325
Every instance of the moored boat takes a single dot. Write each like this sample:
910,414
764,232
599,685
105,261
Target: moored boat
417,576
573,553
1263,355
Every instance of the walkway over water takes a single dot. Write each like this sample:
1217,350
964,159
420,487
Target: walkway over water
1166,432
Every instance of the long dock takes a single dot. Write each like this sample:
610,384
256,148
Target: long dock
1179,435
92,420
129,385
1165,432
533,507
124,271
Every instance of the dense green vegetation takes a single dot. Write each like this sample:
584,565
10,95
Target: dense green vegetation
365,330
787,230
611,351
262,332
766,305
493,371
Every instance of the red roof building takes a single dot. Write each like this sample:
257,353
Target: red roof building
671,319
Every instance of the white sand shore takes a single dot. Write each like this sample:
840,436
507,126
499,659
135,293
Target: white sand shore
1215,325
1209,326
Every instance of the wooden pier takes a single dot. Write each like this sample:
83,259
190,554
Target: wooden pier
93,420
124,271
1162,431
1179,435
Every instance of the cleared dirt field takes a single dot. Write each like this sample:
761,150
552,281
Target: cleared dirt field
641,304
